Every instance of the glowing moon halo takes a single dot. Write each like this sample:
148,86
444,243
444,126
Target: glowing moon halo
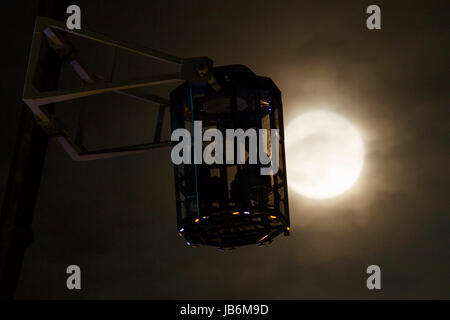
325,154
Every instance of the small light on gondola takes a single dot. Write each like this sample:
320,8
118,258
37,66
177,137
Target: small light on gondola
273,217
196,220
236,212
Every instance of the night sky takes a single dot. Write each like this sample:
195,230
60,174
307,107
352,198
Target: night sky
116,218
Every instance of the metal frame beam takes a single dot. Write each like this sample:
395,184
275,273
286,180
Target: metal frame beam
46,28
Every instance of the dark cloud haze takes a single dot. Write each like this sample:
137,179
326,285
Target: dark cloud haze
116,218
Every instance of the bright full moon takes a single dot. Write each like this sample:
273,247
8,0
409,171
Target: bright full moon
325,154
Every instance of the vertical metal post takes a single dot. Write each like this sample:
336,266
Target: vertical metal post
26,171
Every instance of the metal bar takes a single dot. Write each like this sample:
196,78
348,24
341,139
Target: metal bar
49,27
81,71
75,149
26,169
19,201
77,155
146,97
86,76
159,123
98,37
36,99
58,43
34,56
